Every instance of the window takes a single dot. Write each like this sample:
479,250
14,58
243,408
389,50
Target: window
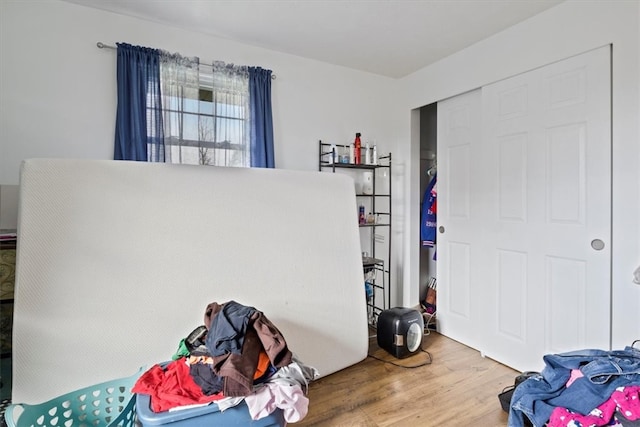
217,114
205,113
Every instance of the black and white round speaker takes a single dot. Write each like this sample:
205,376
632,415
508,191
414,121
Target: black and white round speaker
400,331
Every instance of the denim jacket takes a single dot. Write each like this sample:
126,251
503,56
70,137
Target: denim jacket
603,371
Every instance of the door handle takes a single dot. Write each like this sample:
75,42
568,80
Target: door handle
597,244
441,229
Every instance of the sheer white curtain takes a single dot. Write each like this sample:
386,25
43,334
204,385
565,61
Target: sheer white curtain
179,77
206,112
230,114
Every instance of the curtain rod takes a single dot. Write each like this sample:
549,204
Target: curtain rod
106,46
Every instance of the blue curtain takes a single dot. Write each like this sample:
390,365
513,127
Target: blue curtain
261,119
139,129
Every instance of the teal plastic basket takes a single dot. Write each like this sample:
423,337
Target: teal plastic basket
108,404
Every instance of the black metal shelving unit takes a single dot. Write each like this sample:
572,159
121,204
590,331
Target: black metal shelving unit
376,267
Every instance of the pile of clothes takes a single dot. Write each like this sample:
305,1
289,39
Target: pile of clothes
579,389
237,355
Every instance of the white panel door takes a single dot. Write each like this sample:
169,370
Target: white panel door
546,258
524,212
459,143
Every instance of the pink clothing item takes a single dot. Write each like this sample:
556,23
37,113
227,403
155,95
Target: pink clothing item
272,396
624,399
575,374
628,401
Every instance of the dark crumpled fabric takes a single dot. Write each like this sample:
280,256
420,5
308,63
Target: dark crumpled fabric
238,368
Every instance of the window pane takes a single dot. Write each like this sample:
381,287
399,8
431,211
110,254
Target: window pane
189,155
171,103
206,107
206,131
172,126
228,130
190,130
190,105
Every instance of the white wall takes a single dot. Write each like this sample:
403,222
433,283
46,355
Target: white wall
59,94
8,203
59,90
58,100
568,29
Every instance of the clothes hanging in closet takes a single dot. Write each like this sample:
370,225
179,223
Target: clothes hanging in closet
428,219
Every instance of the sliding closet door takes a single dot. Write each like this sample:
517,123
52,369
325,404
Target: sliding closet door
549,242
536,261
460,224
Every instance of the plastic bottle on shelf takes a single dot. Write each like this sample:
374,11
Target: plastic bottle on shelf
361,217
367,182
374,156
368,289
358,149
367,154
352,157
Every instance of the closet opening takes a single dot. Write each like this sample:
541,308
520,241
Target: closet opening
428,191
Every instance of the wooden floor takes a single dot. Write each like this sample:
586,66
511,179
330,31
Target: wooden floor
458,388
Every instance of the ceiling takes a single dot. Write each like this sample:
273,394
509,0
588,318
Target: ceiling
392,38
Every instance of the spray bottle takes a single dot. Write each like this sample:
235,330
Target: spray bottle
357,146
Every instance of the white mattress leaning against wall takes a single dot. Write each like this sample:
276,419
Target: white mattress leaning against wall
118,260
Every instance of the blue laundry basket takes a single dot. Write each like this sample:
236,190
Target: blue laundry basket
108,404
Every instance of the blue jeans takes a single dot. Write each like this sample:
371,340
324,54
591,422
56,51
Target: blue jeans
603,372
